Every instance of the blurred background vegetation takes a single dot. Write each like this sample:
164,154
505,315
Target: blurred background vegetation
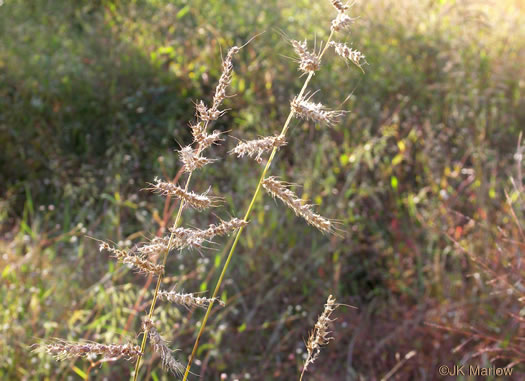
424,174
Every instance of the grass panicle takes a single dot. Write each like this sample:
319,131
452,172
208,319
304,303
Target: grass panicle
138,263
197,201
160,346
187,300
258,147
191,159
64,350
352,55
320,335
309,62
305,109
280,190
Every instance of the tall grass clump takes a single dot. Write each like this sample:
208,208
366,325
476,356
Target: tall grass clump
301,107
140,258
150,258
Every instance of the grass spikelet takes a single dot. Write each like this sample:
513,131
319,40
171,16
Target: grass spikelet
315,112
338,4
207,140
63,350
185,237
352,55
341,22
209,114
308,62
319,337
197,201
225,79
161,347
188,300
279,189
139,263
258,147
191,159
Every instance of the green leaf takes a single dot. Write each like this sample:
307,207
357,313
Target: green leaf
393,182
80,372
183,11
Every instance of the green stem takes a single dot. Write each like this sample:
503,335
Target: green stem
246,216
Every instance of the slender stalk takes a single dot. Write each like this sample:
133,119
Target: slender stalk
160,277
159,281
246,216
302,374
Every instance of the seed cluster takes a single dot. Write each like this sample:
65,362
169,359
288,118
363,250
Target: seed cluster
258,147
197,201
338,4
63,350
192,160
187,300
139,263
350,54
278,189
194,238
308,62
341,22
316,112
320,334
161,347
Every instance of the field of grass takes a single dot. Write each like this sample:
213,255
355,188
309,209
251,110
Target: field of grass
423,173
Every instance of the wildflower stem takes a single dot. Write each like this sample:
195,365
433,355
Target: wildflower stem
246,216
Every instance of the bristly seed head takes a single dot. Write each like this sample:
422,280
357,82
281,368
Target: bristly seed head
63,350
196,237
161,346
352,55
197,201
341,22
226,78
338,4
192,159
278,189
320,334
137,262
187,300
316,112
308,62
258,147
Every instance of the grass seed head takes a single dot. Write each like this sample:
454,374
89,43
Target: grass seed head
161,347
258,147
197,201
137,262
338,4
352,55
192,160
320,335
63,350
308,62
187,300
315,112
279,190
341,22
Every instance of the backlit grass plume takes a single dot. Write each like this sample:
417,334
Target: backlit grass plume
63,350
301,107
320,335
180,238
280,190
